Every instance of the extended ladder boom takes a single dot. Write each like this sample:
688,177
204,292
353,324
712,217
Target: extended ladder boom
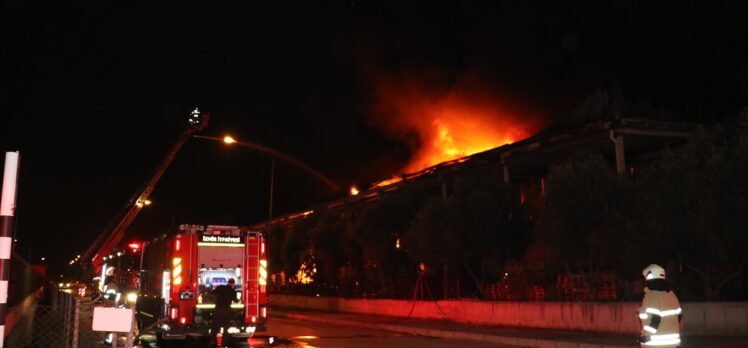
112,237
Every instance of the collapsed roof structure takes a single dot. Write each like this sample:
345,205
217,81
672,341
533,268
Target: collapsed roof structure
627,142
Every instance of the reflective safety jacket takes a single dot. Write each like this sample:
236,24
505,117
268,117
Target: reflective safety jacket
111,292
660,313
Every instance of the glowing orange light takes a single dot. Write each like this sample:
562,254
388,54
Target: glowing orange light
467,118
229,140
388,182
354,191
306,273
451,139
306,337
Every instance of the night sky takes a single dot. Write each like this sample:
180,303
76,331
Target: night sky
94,95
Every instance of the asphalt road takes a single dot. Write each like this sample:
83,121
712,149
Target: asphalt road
303,334
289,333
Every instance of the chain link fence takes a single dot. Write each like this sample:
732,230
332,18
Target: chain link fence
65,321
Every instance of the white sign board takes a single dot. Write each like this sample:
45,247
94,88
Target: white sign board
112,319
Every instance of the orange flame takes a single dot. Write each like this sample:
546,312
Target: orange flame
444,121
386,182
451,138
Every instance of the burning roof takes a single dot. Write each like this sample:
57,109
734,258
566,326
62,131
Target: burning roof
443,118
530,158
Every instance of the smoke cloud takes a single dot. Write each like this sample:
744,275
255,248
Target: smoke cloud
444,116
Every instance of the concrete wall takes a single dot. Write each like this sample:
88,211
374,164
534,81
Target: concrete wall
721,319
716,318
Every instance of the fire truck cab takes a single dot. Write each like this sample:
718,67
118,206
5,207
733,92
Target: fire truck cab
181,270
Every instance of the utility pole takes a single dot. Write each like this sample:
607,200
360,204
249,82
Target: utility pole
270,201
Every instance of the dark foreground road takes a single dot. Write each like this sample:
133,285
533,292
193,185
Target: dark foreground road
290,333
304,334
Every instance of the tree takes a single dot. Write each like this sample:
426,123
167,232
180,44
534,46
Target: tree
590,216
325,239
491,223
377,229
294,248
473,228
429,238
275,250
697,198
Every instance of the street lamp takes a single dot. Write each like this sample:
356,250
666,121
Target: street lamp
144,203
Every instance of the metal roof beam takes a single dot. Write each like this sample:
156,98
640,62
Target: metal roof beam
654,132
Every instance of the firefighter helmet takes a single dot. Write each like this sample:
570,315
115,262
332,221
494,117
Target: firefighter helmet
653,271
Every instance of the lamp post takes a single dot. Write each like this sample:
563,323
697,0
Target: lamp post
230,140
270,204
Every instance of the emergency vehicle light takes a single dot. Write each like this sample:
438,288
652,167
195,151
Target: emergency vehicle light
174,313
263,272
177,273
132,297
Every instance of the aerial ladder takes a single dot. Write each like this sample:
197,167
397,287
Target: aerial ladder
109,238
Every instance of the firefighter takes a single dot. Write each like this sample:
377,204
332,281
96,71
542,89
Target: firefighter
660,312
111,294
224,295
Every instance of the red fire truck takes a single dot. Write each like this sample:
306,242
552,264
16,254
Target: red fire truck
181,269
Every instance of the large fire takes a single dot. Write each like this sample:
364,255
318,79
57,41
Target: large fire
456,134
448,124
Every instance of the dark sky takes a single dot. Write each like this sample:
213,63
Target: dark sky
94,95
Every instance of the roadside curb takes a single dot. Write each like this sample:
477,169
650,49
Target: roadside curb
440,333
